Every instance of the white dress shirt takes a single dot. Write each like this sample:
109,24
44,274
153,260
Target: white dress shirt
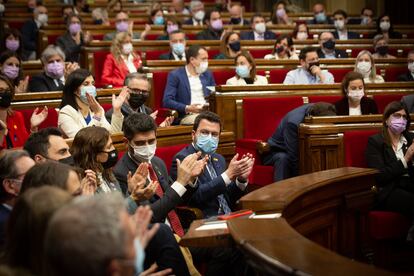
302,76
129,62
197,94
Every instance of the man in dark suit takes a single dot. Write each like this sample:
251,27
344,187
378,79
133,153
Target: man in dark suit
177,46
259,31
53,77
236,16
284,142
327,47
320,16
340,22
14,164
409,76
30,31
197,12
214,27
186,87
218,187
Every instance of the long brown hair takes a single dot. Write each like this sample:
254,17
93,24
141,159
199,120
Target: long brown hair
250,59
12,89
87,144
390,109
225,41
351,76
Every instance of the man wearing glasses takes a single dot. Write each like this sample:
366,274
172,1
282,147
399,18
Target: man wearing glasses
139,89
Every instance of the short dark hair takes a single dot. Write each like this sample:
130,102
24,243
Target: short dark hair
74,80
136,123
38,142
350,76
206,115
192,51
256,15
340,12
305,51
322,109
8,169
367,8
16,33
207,17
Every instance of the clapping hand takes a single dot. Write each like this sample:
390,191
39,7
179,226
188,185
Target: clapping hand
117,101
38,118
186,167
23,84
88,183
95,107
136,184
142,219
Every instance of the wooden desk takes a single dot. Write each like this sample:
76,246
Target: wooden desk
206,238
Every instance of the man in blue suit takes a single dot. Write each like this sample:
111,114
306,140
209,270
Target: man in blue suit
259,31
186,87
218,187
284,143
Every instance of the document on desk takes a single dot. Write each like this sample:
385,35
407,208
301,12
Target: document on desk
266,216
213,226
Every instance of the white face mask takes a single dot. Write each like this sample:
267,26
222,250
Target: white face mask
339,24
385,25
302,35
364,67
199,15
127,48
411,67
202,67
356,95
42,18
260,28
144,153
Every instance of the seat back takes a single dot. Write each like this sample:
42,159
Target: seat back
392,73
98,63
262,115
159,83
278,75
339,73
260,53
167,153
355,143
383,100
221,76
154,54
324,98
51,120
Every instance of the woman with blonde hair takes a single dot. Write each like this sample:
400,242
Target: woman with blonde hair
246,71
121,61
365,65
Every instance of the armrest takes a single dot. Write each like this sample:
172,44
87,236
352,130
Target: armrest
248,144
188,215
262,147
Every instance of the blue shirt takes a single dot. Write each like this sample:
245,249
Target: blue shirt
302,76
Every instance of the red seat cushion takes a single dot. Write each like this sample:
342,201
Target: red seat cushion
355,143
167,153
222,76
383,100
392,73
260,53
339,73
387,225
212,53
324,98
98,62
51,120
278,75
159,83
154,54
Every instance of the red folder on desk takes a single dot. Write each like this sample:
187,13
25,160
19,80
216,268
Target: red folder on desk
237,214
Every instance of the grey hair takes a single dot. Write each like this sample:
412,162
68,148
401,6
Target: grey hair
8,160
138,76
36,10
377,38
195,3
84,236
52,50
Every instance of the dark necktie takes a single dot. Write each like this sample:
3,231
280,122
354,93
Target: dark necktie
172,215
223,205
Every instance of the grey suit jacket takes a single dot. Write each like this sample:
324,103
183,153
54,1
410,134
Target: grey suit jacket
110,36
408,101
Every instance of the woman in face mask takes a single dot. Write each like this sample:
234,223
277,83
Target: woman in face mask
365,65
10,64
13,132
72,41
391,153
171,24
156,17
301,32
79,107
381,47
246,71
385,28
279,14
283,49
355,101
230,46
121,61
12,41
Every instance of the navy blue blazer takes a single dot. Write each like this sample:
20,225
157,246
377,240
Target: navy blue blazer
338,53
286,137
205,195
189,21
4,216
351,35
250,35
177,93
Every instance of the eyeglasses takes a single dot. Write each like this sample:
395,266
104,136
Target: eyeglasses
5,91
398,116
138,91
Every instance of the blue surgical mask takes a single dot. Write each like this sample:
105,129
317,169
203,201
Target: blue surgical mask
243,71
139,257
207,143
159,20
178,48
320,17
90,89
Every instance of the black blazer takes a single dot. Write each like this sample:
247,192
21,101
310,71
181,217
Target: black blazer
381,156
209,34
351,35
43,83
160,206
338,53
250,35
69,46
166,56
29,35
368,106
408,101
126,110
405,77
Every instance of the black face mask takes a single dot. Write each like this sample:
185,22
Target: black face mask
235,46
235,21
382,50
112,159
330,44
280,49
68,161
98,22
311,64
136,100
5,99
